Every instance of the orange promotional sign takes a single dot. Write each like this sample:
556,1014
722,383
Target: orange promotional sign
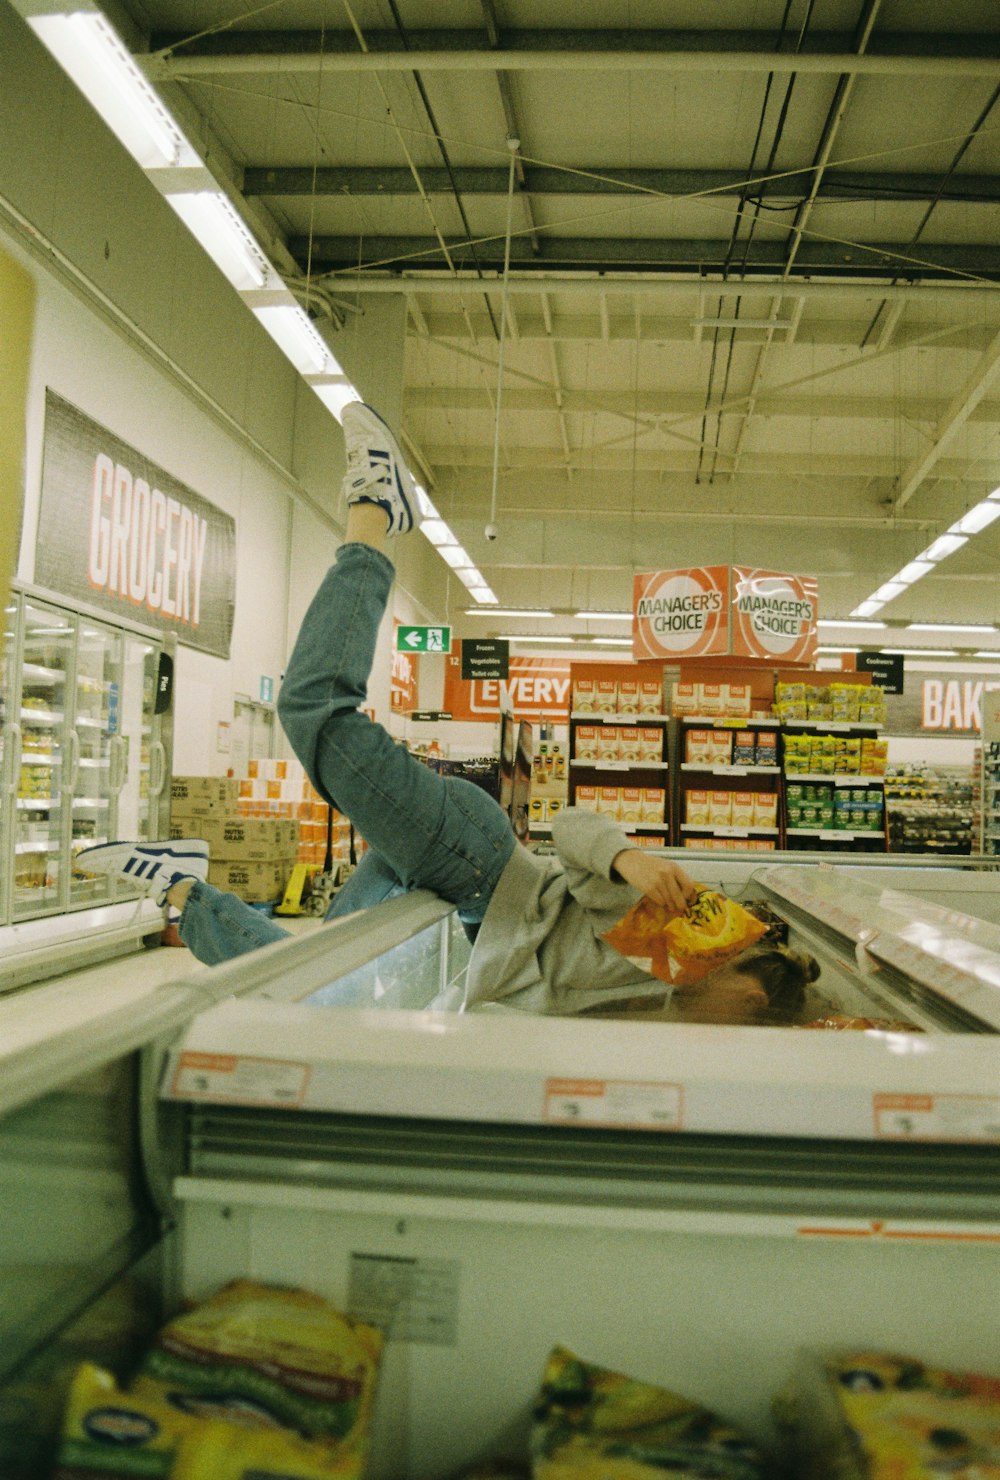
681,613
773,615
403,679
537,688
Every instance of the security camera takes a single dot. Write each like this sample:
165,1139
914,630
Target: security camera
491,532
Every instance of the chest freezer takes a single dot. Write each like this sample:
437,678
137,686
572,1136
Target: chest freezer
685,1204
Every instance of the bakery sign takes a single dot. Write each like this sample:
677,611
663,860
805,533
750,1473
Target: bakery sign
720,610
122,534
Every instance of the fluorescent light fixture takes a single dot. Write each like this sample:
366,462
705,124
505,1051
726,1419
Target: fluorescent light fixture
483,594
513,611
832,651
93,55
987,653
437,532
978,518
290,328
948,627
424,505
922,652
868,608
212,221
335,397
456,557
525,639
888,591
854,626
944,545
609,641
603,616
915,571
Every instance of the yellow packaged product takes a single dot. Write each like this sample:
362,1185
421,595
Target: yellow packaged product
279,1356
107,1433
682,949
868,1415
590,1423
221,1451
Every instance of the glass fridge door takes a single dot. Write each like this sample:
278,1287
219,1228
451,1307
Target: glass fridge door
95,750
137,761
10,746
40,773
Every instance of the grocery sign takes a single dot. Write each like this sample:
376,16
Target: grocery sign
718,610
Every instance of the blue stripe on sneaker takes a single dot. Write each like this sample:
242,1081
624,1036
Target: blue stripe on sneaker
129,865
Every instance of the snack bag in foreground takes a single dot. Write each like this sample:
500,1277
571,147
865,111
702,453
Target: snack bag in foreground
265,1357
681,949
593,1424
864,1415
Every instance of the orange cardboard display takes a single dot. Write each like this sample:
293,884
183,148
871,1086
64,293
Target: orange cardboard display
680,613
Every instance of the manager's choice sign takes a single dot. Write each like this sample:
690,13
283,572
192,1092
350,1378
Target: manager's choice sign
720,610
119,532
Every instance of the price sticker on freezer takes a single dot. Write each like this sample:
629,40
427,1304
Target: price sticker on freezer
937,1117
642,1104
239,1079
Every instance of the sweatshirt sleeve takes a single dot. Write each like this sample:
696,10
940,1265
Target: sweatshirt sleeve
587,845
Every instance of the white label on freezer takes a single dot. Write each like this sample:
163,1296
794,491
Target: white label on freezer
937,1117
411,1299
239,1078
641,1103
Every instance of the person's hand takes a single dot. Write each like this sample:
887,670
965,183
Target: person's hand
659,879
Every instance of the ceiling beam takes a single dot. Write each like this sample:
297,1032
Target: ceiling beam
351,254
838,185
923,54
434,283
961,407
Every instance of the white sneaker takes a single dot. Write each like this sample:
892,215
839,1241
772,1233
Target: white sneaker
153,866
376,469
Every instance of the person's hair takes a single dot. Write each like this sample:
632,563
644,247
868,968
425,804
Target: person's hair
783,975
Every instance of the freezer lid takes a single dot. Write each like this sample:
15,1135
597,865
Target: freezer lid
953,955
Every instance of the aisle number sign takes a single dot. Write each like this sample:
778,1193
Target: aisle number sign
423,639
720,610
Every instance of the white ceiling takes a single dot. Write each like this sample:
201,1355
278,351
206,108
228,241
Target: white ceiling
753,296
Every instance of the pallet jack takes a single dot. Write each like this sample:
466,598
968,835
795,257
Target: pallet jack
310,889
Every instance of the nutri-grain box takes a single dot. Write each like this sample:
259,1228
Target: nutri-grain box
584,695
628,696
607,696
654,801
651,696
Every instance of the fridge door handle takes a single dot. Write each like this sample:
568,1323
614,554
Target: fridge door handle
157,767
69,781
14,762
119,764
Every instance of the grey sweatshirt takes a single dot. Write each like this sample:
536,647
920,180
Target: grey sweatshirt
539,948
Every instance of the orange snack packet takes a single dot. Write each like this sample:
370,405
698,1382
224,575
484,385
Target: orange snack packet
682,949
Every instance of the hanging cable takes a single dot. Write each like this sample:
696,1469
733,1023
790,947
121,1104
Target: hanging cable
491,530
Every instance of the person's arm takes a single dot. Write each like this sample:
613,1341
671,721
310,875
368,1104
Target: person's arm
599,861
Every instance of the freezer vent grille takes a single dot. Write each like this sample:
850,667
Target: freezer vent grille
691,1172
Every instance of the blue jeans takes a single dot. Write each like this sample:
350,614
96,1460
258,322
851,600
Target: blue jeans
423,830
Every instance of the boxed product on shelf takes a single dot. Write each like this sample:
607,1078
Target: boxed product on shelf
698,747
712,699
744,748
203,796
629,743
255,839
874,756
628,696
721,747
584,695
766,748
720,808
538,810
650,696
685,699
609,801
654,801
650,743
586,742
554,806
607,696
585,797
608,743
630,809
765,809
696,808
846,755
742,809
737,700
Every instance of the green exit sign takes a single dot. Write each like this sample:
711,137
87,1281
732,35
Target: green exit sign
423,639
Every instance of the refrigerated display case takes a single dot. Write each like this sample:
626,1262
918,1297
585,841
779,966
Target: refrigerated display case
84,756
684,1203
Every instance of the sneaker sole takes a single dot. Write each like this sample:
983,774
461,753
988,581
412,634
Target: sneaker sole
373,424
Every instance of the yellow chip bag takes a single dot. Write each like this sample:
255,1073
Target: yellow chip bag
682,949
221,1451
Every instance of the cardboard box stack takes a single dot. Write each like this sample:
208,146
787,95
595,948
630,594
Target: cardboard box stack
249,857
281,789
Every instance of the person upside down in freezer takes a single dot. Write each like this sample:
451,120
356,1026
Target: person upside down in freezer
536,924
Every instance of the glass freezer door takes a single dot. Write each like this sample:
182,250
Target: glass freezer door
40,691
96,749
136,747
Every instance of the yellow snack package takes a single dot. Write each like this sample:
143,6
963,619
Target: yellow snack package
222,1451
108,1434
682,949
268,1358
593,1424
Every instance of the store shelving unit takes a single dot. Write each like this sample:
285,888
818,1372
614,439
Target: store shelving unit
833,808
715,777
933,809
990,789
606,772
